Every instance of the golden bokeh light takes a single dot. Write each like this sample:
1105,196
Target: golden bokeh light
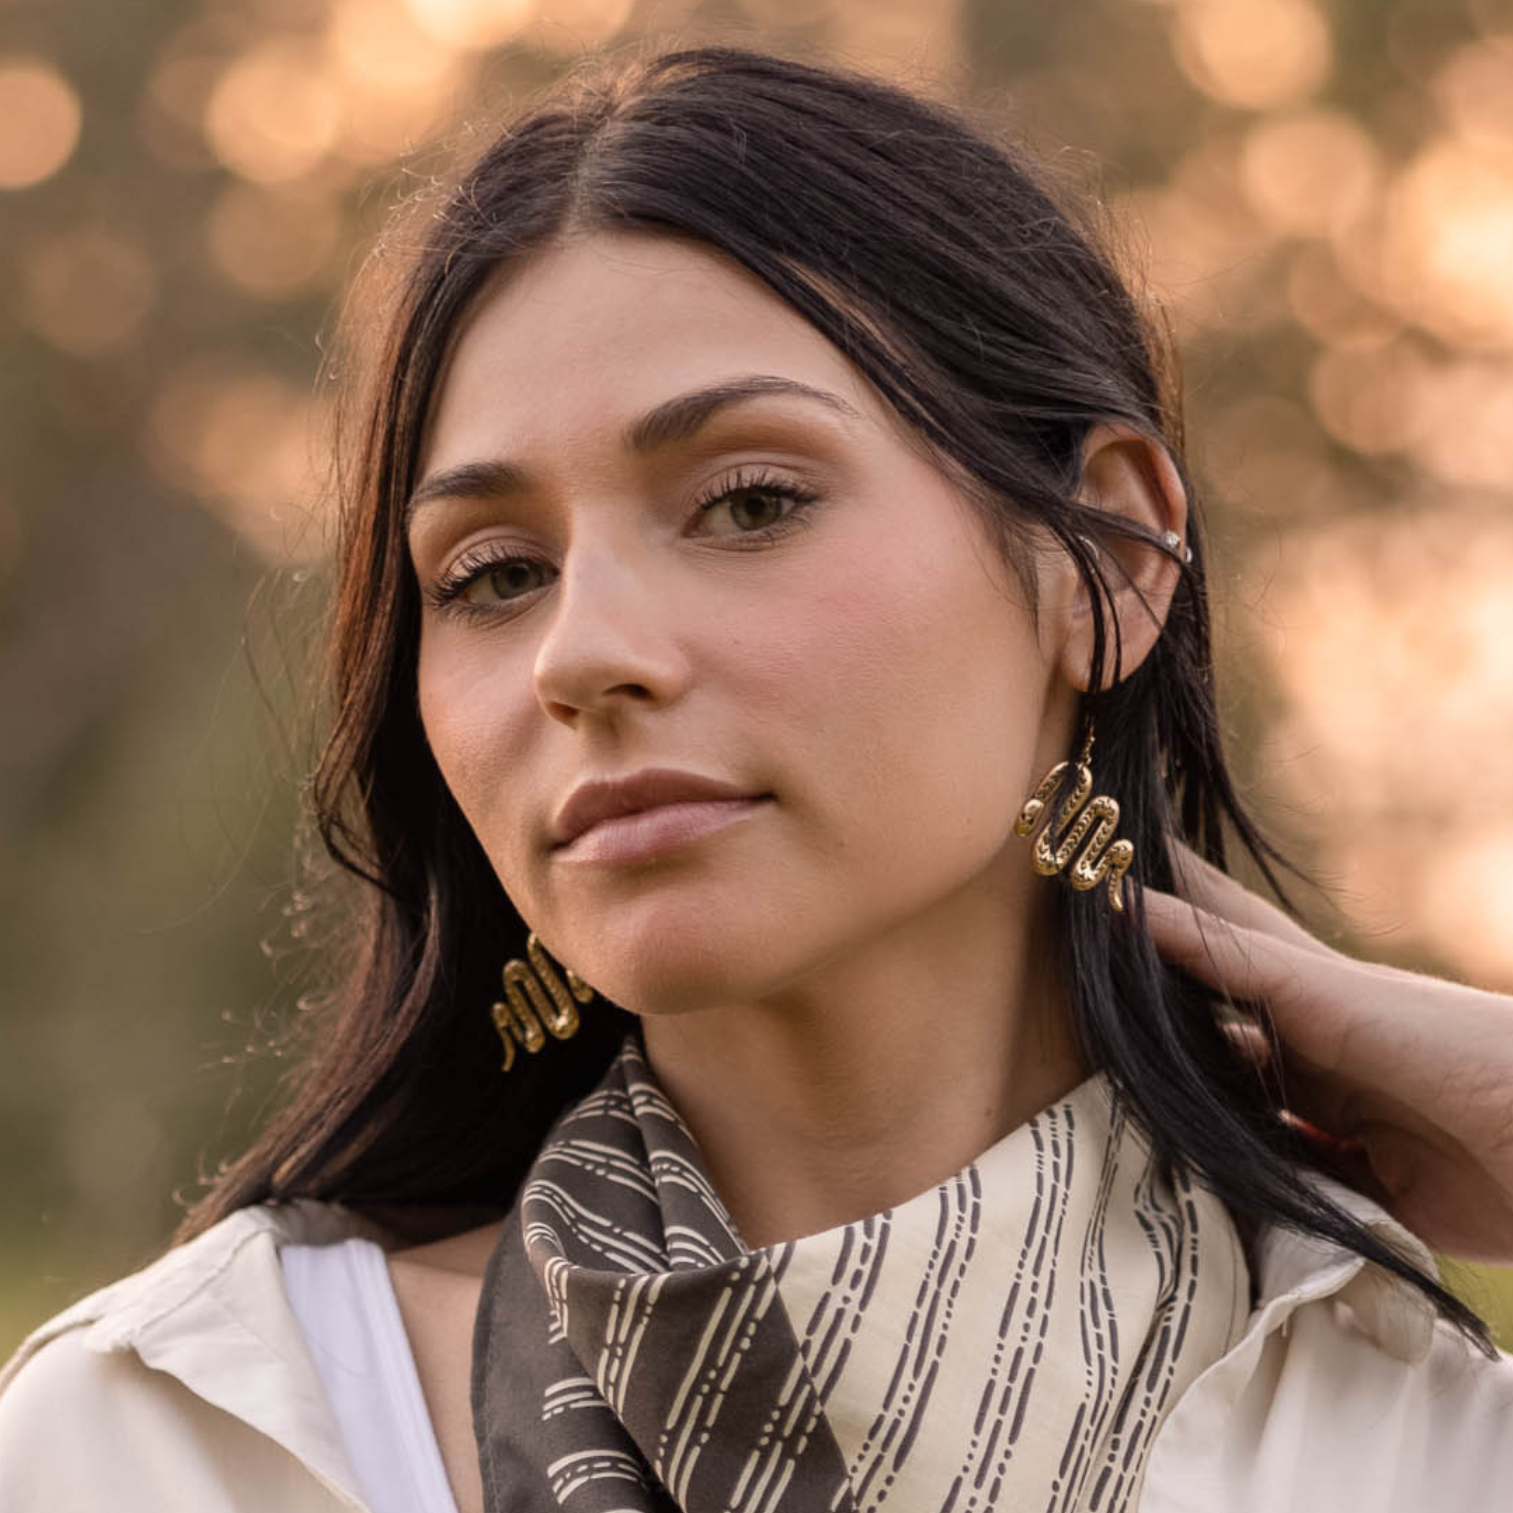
42,117
472,23
274,113
1494,20
87,291
568,26
1461,905
395,79
1368,264
1447,241
787,12
1468,408
1474,90
1271,455
900,37
1311,172
1331,307
377,44
272,243
1392,647
1205,246
1372,399
242,442
189,64
171,117
1258,54
378,126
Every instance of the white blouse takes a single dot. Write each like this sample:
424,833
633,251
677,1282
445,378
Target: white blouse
344,1301
190,1388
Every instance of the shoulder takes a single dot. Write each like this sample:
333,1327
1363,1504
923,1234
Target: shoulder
183,1385
1328,1418
1345,1390
81,1429
236,1254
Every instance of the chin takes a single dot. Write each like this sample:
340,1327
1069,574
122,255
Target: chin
688,976
679,950
673,986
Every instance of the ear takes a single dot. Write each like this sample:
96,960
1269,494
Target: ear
1127,476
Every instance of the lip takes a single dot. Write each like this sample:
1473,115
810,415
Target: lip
598,800
649,833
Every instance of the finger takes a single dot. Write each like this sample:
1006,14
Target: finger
1337,1145
1249,1040
1215,890
1291,987
1245,963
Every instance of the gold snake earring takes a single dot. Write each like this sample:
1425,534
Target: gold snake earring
1114,860
536,1002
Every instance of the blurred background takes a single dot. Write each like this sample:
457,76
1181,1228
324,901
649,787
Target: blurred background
1320,191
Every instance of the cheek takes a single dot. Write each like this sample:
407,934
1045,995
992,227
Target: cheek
468,716
923,680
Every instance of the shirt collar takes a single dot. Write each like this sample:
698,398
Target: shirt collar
1293,1268
213,1313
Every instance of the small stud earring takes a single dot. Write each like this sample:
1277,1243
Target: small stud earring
1173,540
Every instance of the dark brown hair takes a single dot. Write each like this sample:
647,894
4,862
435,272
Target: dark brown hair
993,323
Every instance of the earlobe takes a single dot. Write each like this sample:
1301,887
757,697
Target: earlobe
1132,482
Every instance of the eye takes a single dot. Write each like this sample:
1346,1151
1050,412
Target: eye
484,578
504,579
487,578
756,501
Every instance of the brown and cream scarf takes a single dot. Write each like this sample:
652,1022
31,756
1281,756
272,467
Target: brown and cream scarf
1010,1339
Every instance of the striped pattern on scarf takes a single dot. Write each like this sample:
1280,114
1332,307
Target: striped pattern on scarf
1011,1338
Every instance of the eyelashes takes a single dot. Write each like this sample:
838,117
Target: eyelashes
474,566
467,585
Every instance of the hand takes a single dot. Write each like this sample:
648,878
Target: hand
1412,1073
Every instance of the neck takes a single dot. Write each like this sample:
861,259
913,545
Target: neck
877,1076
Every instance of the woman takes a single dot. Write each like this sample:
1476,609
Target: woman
765,533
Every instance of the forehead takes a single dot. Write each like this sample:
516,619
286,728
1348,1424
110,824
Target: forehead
593,330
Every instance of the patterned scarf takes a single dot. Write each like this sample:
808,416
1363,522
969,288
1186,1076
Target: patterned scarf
1011,1338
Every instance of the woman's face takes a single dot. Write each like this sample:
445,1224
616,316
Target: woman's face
776,592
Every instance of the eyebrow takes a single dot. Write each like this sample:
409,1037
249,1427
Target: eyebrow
675,419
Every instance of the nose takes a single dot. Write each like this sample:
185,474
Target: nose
611,642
